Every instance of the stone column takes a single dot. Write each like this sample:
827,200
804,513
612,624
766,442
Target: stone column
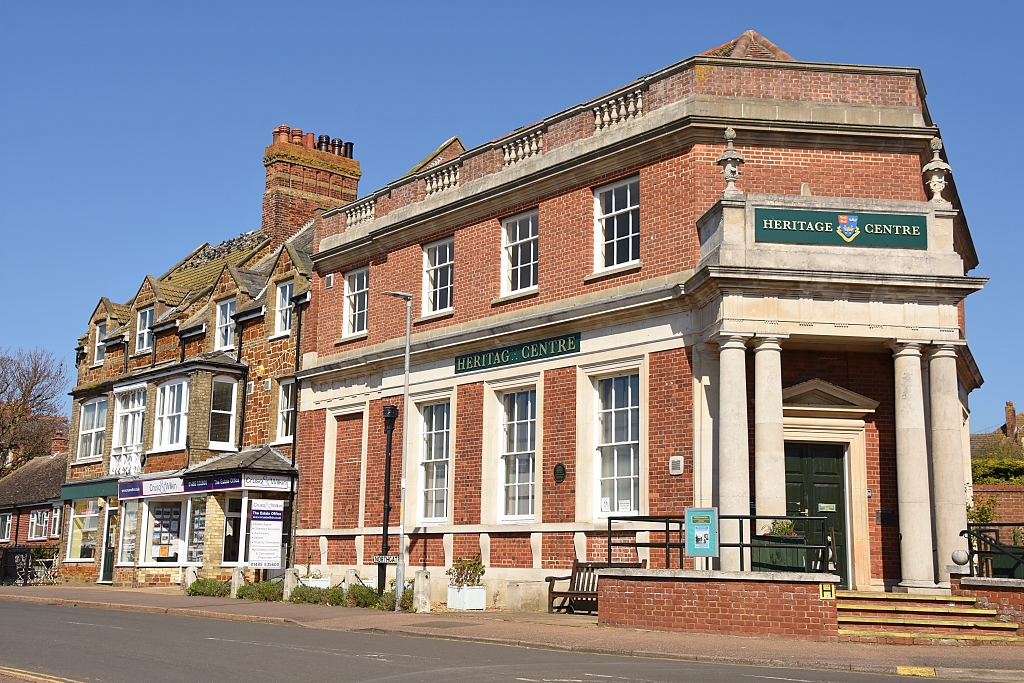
948,486
916,566
733,453
769,442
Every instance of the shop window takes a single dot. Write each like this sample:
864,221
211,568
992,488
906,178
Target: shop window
196,531
92,429
171,414
222,413
130,532
438,273
617,223
520,247
55,516
5,527
143,331
38,525
232,529
519,452
99,350
164,531
618,447
436,443
286,411
284,308
225,335
357,293
85,518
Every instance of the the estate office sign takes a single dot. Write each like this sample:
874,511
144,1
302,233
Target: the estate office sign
893,231
519,353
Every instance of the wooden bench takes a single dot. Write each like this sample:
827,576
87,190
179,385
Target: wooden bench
581,595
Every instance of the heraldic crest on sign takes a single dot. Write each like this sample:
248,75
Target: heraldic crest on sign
847,227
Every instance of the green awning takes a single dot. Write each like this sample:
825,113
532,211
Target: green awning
88,489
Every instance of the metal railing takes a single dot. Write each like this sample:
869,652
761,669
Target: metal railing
989,555
816,557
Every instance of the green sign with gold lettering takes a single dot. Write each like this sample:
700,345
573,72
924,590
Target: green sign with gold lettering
893,231
519,353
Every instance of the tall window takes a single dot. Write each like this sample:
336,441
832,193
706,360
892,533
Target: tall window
171,414
435,460
520,266
284,307
130,531
85,521
99,350
55,520
618,223
5,526
232,529
38,525
92,429
225,324
143,333
286,411
618,420
129,419
519,452
222,413
439,268
196,539
357,290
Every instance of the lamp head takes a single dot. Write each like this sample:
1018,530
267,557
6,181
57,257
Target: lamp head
390,415
399,295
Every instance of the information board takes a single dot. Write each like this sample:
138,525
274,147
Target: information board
702,532
266,524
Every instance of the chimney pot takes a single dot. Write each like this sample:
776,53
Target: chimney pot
338,147
348,150
296,136
1011,421
281,134
309,141
323,143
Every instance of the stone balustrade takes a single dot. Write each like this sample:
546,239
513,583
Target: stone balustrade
523,147
618,109
361,211
443,178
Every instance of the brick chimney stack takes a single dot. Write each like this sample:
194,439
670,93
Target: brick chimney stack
305,173
1011,422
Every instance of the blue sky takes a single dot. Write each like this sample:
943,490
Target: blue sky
132,133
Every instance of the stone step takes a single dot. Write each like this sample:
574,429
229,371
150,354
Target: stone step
928,622
920,608
897,637
844,595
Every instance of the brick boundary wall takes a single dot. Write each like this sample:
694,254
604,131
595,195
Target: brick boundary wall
1005,595
701,602
1009,498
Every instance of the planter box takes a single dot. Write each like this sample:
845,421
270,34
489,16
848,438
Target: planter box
1005,567
315,583
467,597
769,554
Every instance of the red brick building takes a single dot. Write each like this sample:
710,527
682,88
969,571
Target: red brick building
184,407
735,282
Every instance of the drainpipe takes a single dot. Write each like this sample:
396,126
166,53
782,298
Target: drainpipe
245,382
125,342
300,306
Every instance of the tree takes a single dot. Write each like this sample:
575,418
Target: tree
32,385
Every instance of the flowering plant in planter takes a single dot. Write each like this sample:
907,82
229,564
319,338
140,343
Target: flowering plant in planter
466,572
780,527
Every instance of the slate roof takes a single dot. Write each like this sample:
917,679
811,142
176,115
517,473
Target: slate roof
252,459
750,45
37,481
206,262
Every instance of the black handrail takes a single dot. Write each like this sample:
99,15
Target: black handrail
984,547
677,525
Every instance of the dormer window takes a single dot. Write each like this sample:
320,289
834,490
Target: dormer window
284,307
99,350
225,324
143,331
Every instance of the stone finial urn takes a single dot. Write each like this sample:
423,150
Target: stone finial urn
730,161
936,173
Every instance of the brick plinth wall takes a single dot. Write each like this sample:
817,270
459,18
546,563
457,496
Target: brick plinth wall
781,609
1009,500
1008,599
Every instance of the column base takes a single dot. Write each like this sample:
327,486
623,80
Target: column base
920,588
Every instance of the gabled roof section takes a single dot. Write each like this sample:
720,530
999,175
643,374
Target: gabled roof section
750,45
818,398
449,149
205,263
252,459
37,481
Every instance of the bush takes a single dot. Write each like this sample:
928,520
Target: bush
407,600
309,595
1006,470
335,595
264,591
466,572
387,602
362,596
211,588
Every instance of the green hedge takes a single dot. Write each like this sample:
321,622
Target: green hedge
211,588
998,471
264,591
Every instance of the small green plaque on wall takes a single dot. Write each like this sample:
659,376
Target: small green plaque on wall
559,473
892,231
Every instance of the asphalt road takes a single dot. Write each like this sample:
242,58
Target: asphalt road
84,644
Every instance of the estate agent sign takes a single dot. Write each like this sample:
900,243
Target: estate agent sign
519,353
266,522
893,231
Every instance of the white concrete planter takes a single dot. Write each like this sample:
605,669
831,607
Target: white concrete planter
315,583
467,597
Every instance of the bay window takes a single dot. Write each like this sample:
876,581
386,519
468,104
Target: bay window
222,413
92,429
171,423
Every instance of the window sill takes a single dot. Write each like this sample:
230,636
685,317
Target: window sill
280,335
69,560
616,270
515,296
87,461
346,338
167,449
96,365
36,540
516,521
223,447
224,348
287,441
436,315
434,522
139,353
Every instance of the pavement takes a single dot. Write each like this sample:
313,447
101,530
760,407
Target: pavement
571,633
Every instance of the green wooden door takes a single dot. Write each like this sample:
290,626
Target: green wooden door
816,487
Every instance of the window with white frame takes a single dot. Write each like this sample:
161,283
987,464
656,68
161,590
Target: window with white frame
284,308
38,525
195,542
357,294
92,429
171,423
99,350
225,325
5,526
519,444
143,331
164,529
436,443
130,531
222,413
84,529
55,516
617,223
438,271
286,411
618,443
233,530
129,421
520,263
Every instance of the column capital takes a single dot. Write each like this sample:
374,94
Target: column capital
732,340
769,342
906,347
943,349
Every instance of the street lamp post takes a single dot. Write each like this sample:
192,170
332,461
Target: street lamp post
400,567
390,414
